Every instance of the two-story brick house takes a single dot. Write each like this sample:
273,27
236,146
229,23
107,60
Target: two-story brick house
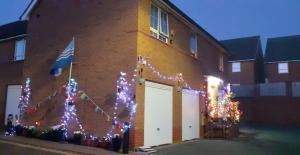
246,61
282,59
110,35
12,54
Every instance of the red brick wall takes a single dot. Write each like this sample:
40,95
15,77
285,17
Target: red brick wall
11,73
246,76
109,37
273,76
271,110
171,59
106,41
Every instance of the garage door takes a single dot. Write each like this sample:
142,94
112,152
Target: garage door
190,115
158,123
12,101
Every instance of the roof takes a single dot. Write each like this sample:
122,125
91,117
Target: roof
13,29
242,49
174,7
283,49
27,11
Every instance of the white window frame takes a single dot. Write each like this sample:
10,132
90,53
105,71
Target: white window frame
236,67
158,32
17,55
194,38
283,68
221,63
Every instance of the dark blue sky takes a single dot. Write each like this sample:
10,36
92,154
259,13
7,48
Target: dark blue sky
224,19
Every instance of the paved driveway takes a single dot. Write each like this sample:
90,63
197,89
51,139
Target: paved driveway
252,141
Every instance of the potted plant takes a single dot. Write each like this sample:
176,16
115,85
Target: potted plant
104,143
116,143
77,137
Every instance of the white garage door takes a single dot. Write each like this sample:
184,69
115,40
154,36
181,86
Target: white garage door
12,101
190,115
158,123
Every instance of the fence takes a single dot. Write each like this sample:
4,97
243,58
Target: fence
267,89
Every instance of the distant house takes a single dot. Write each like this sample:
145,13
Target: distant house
12,54
246,60
282,59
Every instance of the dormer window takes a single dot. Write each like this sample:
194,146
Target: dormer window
159,25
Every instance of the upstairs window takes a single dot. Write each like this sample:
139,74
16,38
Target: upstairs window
193,44
159,25
236,67
20,46
283,68
221,63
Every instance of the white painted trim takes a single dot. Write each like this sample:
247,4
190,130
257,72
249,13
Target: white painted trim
242,60
25,16
18,36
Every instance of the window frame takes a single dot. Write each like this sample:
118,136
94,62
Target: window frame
160,23
221,63
151,28
157,33
236,69
194,37
17,57
283,70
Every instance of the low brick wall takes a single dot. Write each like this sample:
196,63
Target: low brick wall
278,110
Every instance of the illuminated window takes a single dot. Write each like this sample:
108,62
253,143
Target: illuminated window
283,68
236,67
159,25
20,50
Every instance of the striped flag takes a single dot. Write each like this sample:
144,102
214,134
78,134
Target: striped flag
64,59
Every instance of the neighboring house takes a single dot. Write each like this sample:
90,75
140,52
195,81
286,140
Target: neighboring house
282,59
110,35
246,61
12,55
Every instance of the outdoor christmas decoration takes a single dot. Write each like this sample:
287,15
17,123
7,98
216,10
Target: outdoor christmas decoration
25,98
70,109
222,111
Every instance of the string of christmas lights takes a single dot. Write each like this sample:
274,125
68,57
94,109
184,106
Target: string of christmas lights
181,83
24,99
70,108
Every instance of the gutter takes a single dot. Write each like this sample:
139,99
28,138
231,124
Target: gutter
18,36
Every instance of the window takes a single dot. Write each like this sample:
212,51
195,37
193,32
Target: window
20,50
159,25
283,68
236,67
193,44
221,63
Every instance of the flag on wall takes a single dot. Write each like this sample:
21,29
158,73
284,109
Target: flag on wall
64,59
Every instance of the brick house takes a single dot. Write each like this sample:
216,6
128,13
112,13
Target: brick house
246,61
12,52
110,35
282,59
